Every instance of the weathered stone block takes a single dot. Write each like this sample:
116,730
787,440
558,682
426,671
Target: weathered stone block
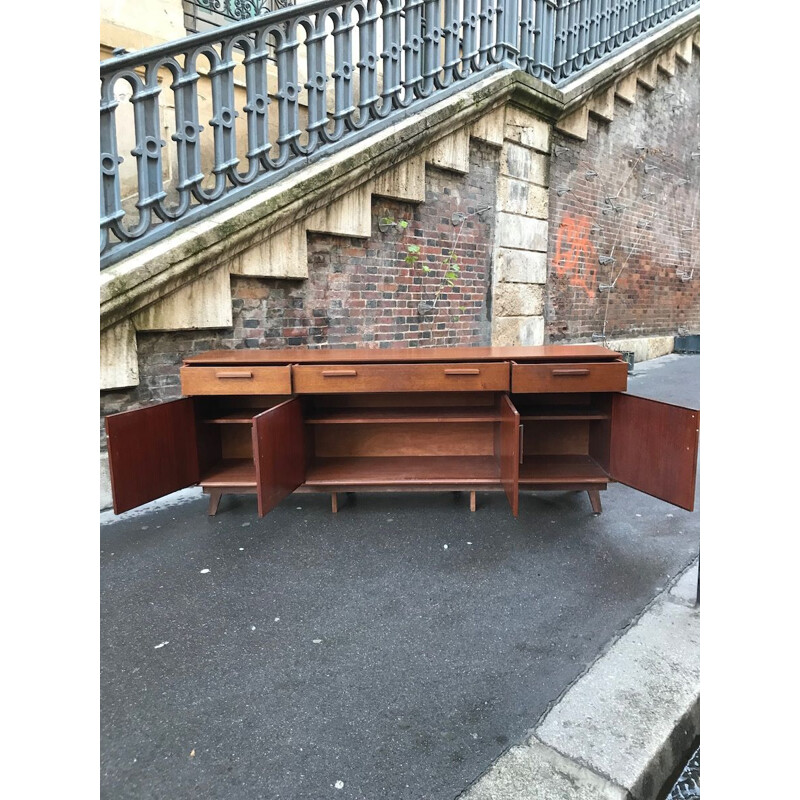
518,300
119,363
520,232
528,130
491,127
538,202
517,161
204,303
350,215
666,62
282,255
602,104
626,89
512,195
520,266
576,124
451,152
646,75
106,500
406,181
510,331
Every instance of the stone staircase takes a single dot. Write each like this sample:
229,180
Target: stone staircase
184,282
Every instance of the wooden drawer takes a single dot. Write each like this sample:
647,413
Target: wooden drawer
611,376
338,378
236,380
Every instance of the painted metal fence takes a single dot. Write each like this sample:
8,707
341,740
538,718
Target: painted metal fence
274,91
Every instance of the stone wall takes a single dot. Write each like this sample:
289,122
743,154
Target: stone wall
359,293
629,192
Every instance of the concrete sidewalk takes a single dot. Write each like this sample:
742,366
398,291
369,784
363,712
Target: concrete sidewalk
309,655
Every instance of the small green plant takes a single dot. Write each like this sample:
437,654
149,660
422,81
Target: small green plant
449,266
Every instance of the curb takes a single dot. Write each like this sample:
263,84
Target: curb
621,730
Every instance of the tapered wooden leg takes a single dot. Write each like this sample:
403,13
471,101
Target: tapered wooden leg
594,499
334,502
472,501
213,501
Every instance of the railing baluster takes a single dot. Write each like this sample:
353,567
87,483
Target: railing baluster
427,46
343,72
412,47
316,82
469,38
288,127
432,34
391,56
507,30
544,39
224,110
147,124
526,28
367,62
110,202
487,18
450,32
258,144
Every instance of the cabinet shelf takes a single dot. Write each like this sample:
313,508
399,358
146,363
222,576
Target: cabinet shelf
230,472
533,413
338,416
561,469
389,470
239,416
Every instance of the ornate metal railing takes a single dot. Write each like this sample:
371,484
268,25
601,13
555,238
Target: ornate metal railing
202,15
276,89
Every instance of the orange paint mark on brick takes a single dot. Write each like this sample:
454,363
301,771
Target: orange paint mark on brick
575,253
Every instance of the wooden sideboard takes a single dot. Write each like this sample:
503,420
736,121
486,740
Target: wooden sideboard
272,422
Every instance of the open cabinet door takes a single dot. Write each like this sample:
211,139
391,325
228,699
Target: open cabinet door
508,452
654,448
152,452
279,453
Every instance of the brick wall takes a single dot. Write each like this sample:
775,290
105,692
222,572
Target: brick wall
649,298
358,293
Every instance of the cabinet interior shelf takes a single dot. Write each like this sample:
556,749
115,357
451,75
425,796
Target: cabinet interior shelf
561,469
387,470
230,472
239,416
532,413
336,416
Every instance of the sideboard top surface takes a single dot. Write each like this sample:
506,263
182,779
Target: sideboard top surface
405,355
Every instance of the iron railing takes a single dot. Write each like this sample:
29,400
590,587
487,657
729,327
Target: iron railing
277,89
202,15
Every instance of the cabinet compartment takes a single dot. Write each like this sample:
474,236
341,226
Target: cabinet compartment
578,377
236,380
383,444
342,378
561,435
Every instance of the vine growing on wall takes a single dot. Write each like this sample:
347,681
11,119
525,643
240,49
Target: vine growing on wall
441,276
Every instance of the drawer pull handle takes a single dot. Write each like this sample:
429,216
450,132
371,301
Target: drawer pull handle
247,374
462,372
338,373
570,372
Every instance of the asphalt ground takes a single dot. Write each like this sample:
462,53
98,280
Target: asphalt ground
393,650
